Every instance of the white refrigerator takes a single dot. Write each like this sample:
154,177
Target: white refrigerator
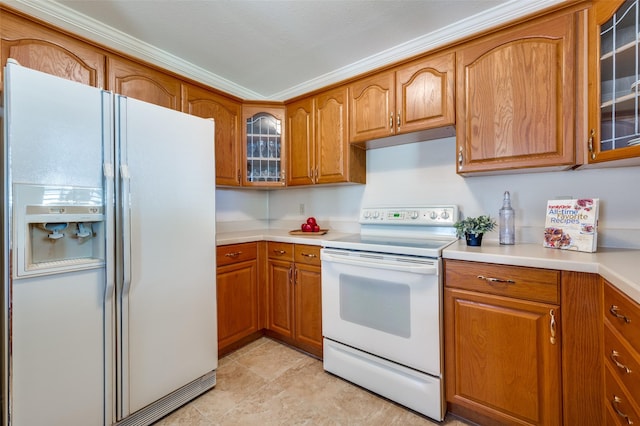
109,297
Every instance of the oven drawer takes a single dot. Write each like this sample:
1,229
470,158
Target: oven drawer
519,282
309,255
281,251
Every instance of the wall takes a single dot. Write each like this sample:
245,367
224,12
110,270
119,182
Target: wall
424,173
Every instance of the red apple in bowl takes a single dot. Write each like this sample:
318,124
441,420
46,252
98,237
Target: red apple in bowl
311,221
306,227
315,228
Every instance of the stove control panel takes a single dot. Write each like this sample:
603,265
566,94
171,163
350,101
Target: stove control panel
439,215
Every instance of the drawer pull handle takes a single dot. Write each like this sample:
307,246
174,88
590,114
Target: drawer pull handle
614,357
552,326
233,254
280,252
614,403
310,255
496,280
614,311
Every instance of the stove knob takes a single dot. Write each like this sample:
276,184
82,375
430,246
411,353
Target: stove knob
414,214
433,215
445,214
367,214
376,214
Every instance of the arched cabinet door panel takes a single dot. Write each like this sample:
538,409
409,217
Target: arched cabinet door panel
51,52
142,83
226,113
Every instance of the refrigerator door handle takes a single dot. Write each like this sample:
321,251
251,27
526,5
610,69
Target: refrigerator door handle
126,228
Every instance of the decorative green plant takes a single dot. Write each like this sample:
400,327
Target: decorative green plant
474,225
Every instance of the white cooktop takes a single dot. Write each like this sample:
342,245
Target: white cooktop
416,231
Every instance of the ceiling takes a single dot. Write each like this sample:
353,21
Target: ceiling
276,49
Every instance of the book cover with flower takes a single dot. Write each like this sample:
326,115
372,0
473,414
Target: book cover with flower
572,224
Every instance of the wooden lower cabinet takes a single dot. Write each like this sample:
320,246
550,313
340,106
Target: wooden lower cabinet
237,296
294,296
502,350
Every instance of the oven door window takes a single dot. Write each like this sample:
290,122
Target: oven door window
381,305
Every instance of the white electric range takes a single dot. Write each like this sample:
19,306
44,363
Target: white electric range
382,304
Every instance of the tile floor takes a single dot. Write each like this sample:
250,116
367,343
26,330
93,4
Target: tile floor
267,383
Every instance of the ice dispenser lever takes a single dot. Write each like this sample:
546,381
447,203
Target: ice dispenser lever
54,229
82,231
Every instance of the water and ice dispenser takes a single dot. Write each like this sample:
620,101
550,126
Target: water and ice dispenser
58,229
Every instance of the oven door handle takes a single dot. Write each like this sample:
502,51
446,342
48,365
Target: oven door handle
428,268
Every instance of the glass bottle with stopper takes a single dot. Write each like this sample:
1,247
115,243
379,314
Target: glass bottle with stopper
507,221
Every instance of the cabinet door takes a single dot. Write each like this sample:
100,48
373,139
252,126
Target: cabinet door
308,308
263,146
146,84
371,113
336,160
280,296
226,114
237,295
301,164
501,362
613,76
45,50
425,94
515,98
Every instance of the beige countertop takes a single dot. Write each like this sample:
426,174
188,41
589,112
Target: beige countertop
621,267
277,235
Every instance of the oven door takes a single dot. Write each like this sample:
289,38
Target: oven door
386,305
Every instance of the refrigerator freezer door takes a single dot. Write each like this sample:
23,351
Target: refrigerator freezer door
168,309
56,327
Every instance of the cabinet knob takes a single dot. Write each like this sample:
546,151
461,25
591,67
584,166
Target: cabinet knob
279,252
391,123
311,255
460,159
233,254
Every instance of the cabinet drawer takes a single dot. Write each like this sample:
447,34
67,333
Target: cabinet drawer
624,361
512,281
623,314
282,251
307,254
226,255
619,400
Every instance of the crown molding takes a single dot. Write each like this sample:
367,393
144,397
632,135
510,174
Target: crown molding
491,18
68,19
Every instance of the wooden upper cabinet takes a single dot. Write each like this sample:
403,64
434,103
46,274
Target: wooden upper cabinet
371,113
319,149
336,159
300,141
143,83
263,145
45,50
226,114
515,98
412,97
425,94
612,132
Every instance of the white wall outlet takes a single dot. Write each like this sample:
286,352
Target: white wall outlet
301,208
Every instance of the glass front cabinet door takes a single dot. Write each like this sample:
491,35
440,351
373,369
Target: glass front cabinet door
264,146
614,125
